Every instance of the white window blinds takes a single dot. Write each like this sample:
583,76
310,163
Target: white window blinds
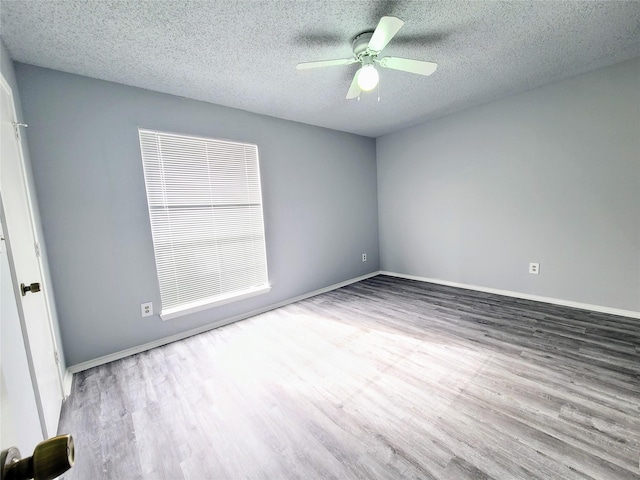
205,206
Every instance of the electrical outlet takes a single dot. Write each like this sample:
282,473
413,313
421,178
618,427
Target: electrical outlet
147,309
534,268
364,257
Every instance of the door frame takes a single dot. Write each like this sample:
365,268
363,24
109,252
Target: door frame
45,288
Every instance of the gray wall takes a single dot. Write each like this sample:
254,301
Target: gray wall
549,176
8,72
319,189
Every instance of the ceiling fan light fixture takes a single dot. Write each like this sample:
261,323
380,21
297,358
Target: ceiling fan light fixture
368,78
367,47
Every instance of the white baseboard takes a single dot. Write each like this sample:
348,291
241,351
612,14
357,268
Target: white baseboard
67,383
158,343
524,296
189,333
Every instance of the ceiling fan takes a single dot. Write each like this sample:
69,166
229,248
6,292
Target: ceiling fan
366,48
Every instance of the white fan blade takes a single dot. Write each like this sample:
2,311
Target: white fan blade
407,65
326,63
384,32
354,89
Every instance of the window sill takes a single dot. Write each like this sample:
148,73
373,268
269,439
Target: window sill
205,304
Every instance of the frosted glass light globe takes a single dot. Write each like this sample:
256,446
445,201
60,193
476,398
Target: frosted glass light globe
368,78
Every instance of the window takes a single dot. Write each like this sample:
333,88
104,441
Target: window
205,207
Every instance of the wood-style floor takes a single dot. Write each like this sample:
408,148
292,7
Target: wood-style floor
386,378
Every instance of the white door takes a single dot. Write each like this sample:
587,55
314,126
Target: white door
25,268
20,426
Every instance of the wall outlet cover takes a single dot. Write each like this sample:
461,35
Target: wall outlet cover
146,309
534,268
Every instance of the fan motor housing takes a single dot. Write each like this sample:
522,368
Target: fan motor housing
360,43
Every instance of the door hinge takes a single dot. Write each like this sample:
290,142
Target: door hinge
16,128
37,245
56,355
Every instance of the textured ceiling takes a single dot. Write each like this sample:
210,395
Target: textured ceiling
243,54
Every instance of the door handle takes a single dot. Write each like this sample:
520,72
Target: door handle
33,288
50,459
